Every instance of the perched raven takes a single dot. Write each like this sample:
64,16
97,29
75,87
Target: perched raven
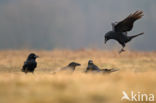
71,66
30,64
93,68
121,28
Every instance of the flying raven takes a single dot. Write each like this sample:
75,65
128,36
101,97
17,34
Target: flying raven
121,28
93,68
30,64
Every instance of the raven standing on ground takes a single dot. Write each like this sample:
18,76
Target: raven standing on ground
93,68
121,28
30,64
71,66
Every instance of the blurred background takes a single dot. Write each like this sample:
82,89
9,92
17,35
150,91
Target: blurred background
72,24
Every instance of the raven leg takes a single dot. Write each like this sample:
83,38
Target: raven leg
122,49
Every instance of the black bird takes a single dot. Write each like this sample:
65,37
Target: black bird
121,28
93,68
71,66
30,64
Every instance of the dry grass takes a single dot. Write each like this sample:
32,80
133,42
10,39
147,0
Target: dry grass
137,73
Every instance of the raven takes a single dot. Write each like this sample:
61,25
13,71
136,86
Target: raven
121,28
71,66
30,64
93,68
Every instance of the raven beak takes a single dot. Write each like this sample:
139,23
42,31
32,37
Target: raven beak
78,64
37,56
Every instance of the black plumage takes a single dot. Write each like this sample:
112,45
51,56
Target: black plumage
109,70
121,28
30,64
94,68
71,66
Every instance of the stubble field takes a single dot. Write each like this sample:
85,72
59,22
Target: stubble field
137,73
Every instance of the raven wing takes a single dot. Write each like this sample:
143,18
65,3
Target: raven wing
96,68
127,24
93,68
109,70
31,64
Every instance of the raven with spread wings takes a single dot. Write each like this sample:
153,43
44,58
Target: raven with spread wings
121,28
94,68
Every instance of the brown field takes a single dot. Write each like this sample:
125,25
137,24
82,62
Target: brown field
137,73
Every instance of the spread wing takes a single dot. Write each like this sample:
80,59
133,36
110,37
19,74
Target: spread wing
109,70
127,24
